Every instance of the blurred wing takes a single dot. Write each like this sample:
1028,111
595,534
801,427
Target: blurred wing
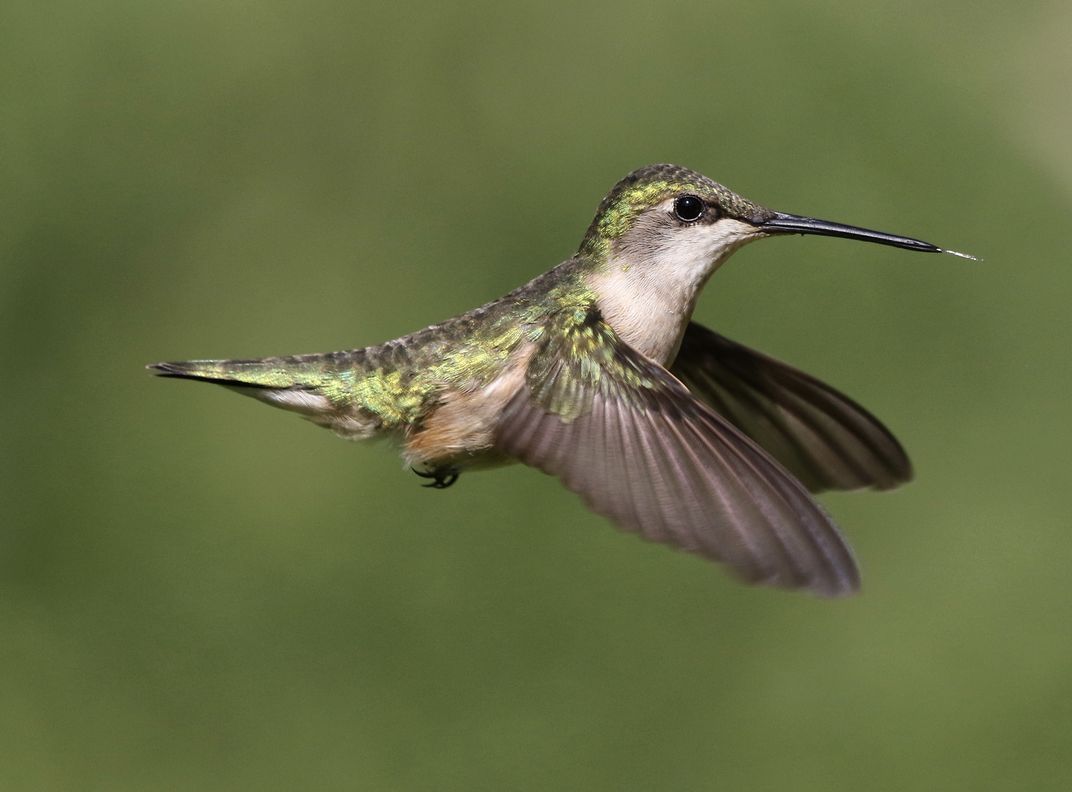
821,436
620,431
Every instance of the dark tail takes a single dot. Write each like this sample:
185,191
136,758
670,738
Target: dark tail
298,384
272,373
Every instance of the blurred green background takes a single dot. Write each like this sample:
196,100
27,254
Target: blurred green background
198,592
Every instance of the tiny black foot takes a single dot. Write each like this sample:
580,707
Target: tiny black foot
444,477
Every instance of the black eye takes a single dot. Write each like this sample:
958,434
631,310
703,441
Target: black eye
688,208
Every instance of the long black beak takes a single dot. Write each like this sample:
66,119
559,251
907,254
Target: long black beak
781,223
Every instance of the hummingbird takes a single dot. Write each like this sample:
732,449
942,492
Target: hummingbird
594,372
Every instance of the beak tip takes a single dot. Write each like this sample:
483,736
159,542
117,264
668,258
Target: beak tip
782,223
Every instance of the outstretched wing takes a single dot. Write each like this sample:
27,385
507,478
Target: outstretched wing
821,436
625,435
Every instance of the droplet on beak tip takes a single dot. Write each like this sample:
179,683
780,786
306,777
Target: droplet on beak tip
968,256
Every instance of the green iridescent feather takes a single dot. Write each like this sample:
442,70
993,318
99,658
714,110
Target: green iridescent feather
580,358
397,383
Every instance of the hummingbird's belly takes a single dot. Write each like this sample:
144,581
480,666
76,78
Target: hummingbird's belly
460,430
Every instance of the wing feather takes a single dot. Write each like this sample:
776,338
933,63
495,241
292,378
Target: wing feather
638,448
823,437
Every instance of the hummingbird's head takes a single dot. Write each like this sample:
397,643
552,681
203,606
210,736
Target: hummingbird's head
662,231
666,211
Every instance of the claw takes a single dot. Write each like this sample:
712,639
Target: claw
444,477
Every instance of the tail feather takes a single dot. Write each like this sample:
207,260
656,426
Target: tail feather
318,387
264,373
276,381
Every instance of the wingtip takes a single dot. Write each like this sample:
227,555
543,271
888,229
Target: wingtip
842,579
842,590
838,583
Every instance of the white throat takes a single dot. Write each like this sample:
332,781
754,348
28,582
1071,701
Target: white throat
648,288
